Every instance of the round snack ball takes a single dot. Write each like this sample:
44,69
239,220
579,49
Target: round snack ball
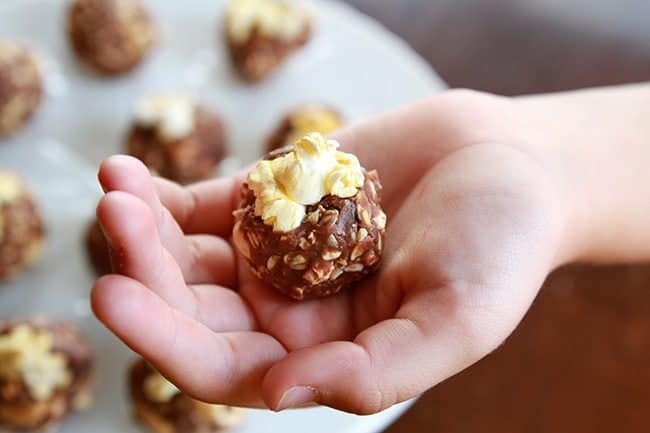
303,120
177,138
336,242
110,36
45,373
262,34
21,227
21,88
97,249
163,408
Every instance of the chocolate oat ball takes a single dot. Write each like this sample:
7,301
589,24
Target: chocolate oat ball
163,408
110,36
21,87
45,373
310,222
301,121
177,138
97,249
21,227
262,34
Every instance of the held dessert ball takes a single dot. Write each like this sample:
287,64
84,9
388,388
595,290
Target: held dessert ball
21,88
310,221
97,249
162,407
21,227
177,138
110,36
45,373
262,34
303,120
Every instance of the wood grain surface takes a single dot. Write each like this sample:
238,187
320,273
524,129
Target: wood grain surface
580,361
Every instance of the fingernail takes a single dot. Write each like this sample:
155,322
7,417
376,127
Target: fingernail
298,396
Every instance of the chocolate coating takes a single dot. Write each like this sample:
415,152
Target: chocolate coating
97,249
259,55
110,36
21,87
338,243
183,160
181,414
21,233
18,410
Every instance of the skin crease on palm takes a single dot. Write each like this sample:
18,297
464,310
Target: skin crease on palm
476,221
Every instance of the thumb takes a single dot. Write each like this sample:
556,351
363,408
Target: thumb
388,363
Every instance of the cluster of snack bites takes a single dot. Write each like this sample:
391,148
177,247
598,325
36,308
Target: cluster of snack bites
303,120
21,227
262,34
176,137
21,87
45,373
162,407
110,36
310,222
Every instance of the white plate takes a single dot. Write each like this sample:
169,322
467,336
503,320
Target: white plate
351,63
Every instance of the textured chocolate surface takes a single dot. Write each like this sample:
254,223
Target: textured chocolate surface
181,414
110,36
18,410
184,160
21,235
97,249
259,55
21,88
286,128
339,242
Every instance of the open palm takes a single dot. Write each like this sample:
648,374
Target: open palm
474,227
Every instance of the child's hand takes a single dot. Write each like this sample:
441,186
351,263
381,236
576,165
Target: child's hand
474,226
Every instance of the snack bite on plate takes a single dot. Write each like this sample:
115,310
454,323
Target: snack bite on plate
21,228
176,137
310,222
303,120
97,249
45,373
110,36
262,34
21,87
163,408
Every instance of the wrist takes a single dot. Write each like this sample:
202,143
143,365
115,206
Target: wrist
594,146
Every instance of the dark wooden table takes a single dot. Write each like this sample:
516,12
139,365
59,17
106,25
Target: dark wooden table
580,361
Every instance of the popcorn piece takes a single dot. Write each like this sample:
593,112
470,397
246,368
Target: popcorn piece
45,373
312,170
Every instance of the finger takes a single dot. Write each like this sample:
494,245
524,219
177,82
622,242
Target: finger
213,261
125,173
136,249
222,310
388,363
204,207
225,368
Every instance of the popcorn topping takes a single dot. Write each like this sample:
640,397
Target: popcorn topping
313,169
26,354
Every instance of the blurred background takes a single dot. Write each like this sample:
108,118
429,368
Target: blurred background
580,360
